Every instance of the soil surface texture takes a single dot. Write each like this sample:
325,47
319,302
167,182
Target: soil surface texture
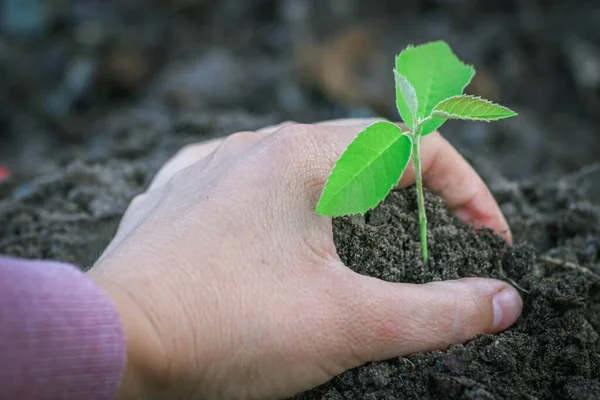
96,96
552,352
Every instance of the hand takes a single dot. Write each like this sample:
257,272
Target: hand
229,285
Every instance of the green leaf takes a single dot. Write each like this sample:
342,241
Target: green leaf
436,74
406,99
371,165
471,108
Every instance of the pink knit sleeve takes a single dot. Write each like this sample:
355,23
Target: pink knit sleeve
60,334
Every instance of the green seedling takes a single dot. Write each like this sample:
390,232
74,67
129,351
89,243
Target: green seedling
430,81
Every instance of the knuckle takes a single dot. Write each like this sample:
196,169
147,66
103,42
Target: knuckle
136,205
138,200
298,144
275,128
466,316
189,151
243,137
189,154
300,151
287,123
294,136
235,141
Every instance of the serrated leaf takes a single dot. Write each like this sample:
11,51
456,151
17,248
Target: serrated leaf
471,108
406,99
436,74
364,174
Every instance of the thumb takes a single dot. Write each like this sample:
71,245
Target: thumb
397,319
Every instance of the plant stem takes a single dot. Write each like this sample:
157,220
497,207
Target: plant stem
420,198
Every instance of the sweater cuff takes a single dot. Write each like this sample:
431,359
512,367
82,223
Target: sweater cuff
60,335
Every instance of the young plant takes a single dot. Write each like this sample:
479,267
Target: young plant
430,81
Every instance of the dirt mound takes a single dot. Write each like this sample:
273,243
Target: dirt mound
552,352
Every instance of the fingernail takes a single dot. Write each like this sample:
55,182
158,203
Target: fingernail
507,305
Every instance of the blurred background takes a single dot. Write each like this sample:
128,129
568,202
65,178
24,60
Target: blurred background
113,78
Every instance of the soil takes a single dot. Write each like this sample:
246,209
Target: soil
552,352
88,115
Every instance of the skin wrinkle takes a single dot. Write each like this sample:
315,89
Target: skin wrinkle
198,155
369,308
233,145
154,332
430,333
309,173
461,324
457,320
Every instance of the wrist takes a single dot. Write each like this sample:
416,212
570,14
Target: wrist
145,373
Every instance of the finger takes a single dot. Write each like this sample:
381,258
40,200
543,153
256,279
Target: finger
351,122
445,172
334,122
195,152
274,128
183,159
448,174
219,150
137,211
388,320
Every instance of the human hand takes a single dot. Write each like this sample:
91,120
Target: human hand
229,285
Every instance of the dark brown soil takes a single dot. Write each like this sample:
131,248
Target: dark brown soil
552,352
163,74
72,213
